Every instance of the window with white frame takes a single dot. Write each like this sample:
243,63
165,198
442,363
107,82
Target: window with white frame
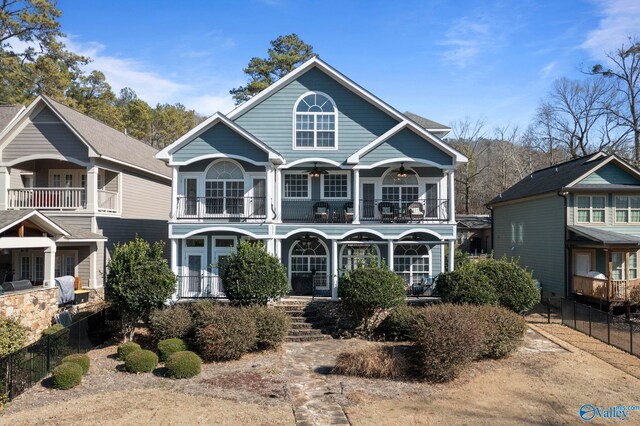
411,262
224,189
353,256
315,122
400,192
633,266
296,185
590,208
627,209
335,185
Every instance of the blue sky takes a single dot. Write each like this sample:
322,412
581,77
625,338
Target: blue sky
445,60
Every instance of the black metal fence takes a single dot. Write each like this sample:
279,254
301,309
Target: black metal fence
613,330
24,368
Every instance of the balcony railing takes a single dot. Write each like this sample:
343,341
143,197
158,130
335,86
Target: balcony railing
618,290
107,201
227,208
48,198
199,287
371,210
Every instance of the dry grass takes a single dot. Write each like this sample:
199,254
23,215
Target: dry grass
379,362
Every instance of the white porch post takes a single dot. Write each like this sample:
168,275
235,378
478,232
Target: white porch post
5,182
269,201
390,254
174,255
452,254
271,246
174,194
356,196
92,188
334,269
93,270
451,196
49,266
278,196
278,248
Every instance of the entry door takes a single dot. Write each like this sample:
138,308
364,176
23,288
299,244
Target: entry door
259,200
583,264
193,281
190,207
368,201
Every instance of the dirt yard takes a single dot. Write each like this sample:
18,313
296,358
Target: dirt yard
541,384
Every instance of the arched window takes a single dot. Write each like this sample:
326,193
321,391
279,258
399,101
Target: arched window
354,255
309,263
400,192
224,189
411,262
315,122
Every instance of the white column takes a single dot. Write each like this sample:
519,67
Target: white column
278,196
278,248
390,254
49,267
356,196
269,192
334,269
92,188
452,254
5,182
451,196
174,192
271,246
174,255
93,266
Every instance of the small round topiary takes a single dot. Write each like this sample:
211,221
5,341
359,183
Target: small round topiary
67,375
81,359
53,329
141,361
126,348
183,364
168,347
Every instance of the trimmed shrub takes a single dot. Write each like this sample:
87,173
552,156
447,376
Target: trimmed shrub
203,311
634,296
377,362
251,275
52,330
81,359
272,326
12,336
168,347
448,337
503,331
141,361
227,333
126,348
183,364
515,286
466,285
170,323
369,290
398,325
67,375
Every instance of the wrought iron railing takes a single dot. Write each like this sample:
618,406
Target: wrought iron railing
224,208
48,198
200,287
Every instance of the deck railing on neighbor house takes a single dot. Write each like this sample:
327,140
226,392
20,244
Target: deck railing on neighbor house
226,208
48,198
598,288
200,287
107,201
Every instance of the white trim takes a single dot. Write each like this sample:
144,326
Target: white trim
306,230
312,160
46,157
614,209
404,160
299,172
26,242
424,231
217,229
217,155
328,256
369,243
39,216
336,172
315,130
601,165
590,196
104,157
362,231
410,256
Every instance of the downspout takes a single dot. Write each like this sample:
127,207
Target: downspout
490,207
563,193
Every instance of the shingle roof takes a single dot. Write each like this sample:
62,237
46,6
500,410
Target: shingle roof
77,233
7,113
8,217
425,122
474,221
605,237
551,179
109,142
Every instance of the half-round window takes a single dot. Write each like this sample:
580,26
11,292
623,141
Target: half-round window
225,170
315,122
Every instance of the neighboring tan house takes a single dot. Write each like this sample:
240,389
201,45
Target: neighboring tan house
474,233
70,188
324,173
576,225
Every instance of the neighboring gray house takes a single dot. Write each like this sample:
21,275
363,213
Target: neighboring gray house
576,225
324,173
70,188
474,233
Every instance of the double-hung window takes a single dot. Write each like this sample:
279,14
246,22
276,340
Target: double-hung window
590,208
296,186
627,209
315,122
335,185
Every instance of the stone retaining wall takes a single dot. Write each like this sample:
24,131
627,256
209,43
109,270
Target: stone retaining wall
34,308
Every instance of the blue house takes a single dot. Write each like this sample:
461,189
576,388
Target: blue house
324,173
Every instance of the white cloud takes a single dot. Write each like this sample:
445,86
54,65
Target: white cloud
619,20
548,70
466,40
208,104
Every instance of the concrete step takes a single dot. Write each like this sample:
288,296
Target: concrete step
313,338
300,325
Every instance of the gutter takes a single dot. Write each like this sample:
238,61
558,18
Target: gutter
563,193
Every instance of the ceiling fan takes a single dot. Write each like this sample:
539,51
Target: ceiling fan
402,173
316,172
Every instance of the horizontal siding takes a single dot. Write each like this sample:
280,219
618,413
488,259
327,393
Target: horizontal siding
144,198
220,139
359,122
406,144
542,250
610,173
80,222
120,231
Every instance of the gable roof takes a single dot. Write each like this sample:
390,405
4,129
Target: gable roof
427,124
8,113
10,218
218,117
559,177
473,221
102,140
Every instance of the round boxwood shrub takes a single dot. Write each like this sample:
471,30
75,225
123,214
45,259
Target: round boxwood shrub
514,285
67,375
466,285
81,359
503,331
169,323
369,290
227,334
398,325
12,336
272,326
141,361
167,347
251,275
126,348
183,364
448,338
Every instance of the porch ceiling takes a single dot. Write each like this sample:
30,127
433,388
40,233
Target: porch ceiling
604,237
